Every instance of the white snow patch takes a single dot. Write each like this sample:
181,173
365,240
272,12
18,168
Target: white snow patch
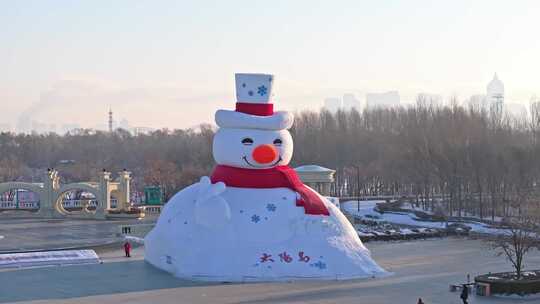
134,239
48,258
404,218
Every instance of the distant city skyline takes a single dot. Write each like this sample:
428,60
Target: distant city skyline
31,125
493,98
165,64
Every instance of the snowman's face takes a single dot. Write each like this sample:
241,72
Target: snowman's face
251,148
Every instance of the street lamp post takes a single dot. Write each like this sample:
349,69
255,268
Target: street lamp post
358,186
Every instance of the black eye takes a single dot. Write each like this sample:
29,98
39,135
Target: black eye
278,142
247,141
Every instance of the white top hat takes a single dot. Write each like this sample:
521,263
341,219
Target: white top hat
254,108
254,88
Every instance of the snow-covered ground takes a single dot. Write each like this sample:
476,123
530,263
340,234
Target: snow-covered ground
367,211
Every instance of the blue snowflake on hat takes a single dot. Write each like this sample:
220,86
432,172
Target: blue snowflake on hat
262,90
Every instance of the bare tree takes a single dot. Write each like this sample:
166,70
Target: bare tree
163,174
520,238
11,168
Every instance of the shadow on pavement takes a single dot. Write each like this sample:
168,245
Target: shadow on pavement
85,280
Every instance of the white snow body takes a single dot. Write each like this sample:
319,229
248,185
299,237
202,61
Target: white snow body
266,238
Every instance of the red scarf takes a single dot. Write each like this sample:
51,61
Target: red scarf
277,177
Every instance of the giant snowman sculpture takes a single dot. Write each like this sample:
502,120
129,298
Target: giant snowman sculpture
253,219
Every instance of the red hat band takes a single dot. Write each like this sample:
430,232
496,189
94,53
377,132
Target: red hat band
259,109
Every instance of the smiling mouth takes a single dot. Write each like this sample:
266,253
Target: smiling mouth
255,166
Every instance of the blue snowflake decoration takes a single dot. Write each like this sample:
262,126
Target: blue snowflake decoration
250,93
255,218
262,90
271,207
243,85
319,265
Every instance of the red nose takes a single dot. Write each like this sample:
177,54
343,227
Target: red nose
265,154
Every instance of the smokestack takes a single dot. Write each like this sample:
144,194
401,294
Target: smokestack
110,120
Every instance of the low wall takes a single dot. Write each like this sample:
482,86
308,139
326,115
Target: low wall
504,284
137,230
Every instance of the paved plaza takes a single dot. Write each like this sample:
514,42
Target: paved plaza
41,234
422,268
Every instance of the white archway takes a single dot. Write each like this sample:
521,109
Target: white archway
58,201
50,195
37,189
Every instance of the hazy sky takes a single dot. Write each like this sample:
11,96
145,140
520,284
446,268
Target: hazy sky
171,63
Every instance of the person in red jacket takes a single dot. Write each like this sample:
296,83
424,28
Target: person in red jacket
127,249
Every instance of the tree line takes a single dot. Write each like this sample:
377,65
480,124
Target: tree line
468,160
